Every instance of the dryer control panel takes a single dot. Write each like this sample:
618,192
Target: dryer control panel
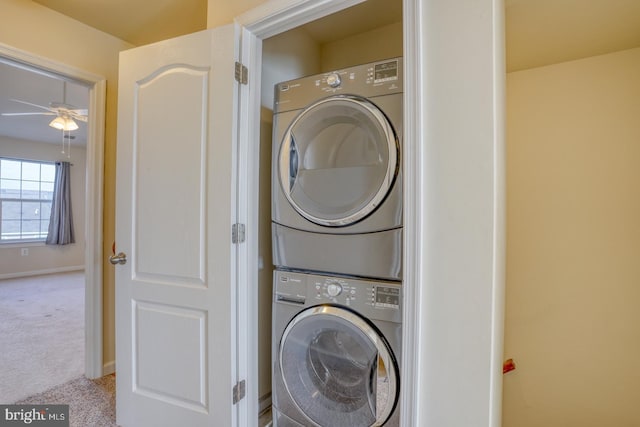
370,80
374,299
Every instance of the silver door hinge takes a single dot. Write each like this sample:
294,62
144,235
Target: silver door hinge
239,391
242,74
237,233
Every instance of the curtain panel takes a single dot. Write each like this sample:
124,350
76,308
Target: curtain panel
61,222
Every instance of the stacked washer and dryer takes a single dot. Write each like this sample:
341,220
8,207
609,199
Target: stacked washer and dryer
337,247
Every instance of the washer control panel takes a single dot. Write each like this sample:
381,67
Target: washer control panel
372,298
386,296
334,289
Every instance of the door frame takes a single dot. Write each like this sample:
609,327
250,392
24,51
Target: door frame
439,37
93,364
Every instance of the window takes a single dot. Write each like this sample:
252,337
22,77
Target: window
26,192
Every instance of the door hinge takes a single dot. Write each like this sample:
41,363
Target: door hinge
239,391
237,233
242,74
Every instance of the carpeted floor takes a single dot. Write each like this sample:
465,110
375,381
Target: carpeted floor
41,333
91,402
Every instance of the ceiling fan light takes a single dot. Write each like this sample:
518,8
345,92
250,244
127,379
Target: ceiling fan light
57,123
70,124
63,123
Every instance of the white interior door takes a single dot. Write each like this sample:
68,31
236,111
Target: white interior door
175,300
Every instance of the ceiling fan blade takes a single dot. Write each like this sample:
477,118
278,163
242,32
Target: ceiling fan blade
80,118
29,114
70,110
33,105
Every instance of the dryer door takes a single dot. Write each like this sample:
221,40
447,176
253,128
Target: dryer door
338,369
338,160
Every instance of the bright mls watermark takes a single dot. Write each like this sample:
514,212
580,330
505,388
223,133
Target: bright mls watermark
34,415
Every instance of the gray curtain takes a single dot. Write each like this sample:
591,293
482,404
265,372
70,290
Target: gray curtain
61,222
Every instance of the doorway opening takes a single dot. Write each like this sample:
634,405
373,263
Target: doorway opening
364,33
64,85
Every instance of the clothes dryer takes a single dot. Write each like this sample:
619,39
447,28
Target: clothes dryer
336,351
337,175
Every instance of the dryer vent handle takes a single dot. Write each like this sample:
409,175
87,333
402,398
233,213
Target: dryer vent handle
293,163
373,386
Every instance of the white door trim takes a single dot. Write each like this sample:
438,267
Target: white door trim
454,246
94,195
277,16
412,209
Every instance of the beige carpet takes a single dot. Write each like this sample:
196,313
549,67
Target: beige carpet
41,333
91,402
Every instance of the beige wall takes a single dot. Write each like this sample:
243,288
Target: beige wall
265,275
47,258
381,43
38,30
287,56
573,249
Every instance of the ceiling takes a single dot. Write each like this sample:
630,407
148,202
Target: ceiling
136,21
538,33
18,83
544,32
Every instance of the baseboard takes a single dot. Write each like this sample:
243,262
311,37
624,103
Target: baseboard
109,368
264,403
40,272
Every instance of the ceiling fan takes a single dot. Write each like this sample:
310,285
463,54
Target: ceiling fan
65,114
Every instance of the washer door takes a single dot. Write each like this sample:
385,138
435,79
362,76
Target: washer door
338,369
338,160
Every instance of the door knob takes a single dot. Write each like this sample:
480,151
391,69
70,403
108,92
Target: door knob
121,258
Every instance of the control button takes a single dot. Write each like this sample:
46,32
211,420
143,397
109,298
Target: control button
333,80
334,289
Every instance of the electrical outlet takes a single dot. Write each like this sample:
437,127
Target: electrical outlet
24,251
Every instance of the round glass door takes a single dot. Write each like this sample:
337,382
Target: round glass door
338,369
338,160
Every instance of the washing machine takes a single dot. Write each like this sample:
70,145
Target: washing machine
336,351
337,175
